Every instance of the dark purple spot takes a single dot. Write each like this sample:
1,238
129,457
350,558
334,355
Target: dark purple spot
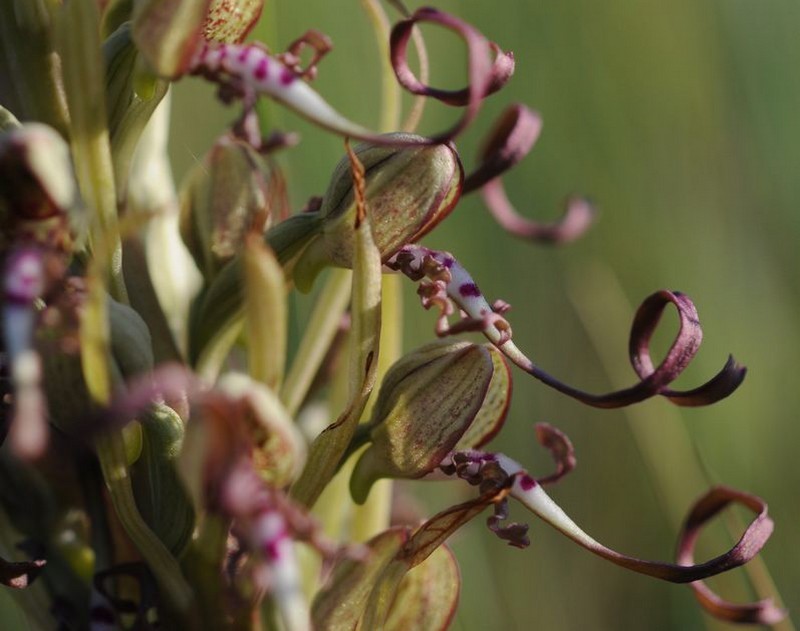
448,262
271,550
527,482
261,70
244,54
469,290
287,77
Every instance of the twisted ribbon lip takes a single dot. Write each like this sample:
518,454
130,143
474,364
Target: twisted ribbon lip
446,282
514,134
484,76
508,479
766,611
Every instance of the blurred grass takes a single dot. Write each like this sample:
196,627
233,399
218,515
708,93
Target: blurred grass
680,119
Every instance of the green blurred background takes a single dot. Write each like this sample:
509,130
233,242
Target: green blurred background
680,120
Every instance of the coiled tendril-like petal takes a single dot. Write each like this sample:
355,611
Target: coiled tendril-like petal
446,282
514,134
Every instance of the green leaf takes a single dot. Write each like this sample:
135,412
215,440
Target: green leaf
329,447
265,312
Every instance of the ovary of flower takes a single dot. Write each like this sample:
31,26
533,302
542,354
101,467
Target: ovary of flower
448,276
251,71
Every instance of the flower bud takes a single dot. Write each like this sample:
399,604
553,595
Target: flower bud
67,396
409,189
223,200
168,32
230,21
36,177
427,403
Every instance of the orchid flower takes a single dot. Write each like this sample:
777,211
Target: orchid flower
229,469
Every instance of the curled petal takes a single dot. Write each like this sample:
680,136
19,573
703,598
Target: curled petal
513,136
765,611
654,380
574,222
247,71
532,496
485,76
680,353
514,533
456,285
560,447
509,479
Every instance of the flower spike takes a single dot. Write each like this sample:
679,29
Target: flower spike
446,282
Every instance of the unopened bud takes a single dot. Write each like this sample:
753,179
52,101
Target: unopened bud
409,189
36,177
222,201
428,401
229,21
168,32
67,395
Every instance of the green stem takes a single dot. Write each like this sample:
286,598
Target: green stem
203,564
317,339
78,44
111,453
90,479
390,89
374,515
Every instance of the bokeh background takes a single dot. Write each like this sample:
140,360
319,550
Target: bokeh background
680,119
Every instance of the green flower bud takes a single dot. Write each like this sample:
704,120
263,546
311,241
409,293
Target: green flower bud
230,21
223,200
428,401
409,189
67,396
168,32
36,176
